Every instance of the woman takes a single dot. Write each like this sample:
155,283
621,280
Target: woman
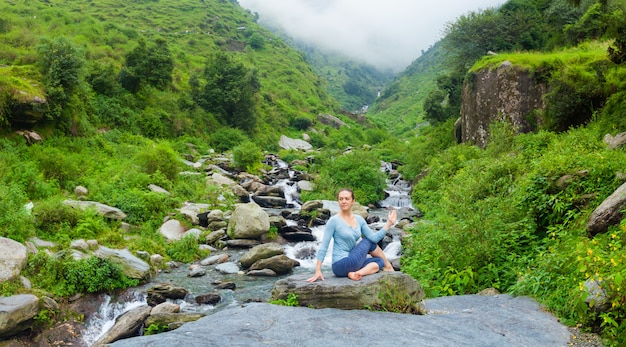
349,256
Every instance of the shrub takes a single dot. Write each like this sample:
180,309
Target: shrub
64,276
185,250
247,157
225,139
160,158
16,222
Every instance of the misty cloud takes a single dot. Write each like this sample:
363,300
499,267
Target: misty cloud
386,34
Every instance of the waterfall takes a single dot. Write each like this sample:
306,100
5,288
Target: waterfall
105,318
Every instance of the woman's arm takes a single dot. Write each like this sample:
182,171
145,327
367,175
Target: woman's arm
378,235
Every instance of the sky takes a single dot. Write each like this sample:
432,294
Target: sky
387,34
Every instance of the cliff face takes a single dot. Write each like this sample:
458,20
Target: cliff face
505,93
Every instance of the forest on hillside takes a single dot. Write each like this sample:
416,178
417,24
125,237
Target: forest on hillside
119,97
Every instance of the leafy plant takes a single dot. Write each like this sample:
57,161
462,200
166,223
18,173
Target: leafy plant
395,299
153,329
64,276
247,157
185,250
292,300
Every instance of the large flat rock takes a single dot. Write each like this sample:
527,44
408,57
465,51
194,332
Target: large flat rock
469,320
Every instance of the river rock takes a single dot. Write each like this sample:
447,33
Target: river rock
270,201
228,268
165,307
171,320
259,252
17,313
281,264
215,259
125,325
160,292
172,229
132,266
208,299
608,213
218,179
13,257
191,211
249,221
343,293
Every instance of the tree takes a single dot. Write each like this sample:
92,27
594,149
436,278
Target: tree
229,91
256,41
62,65
148,64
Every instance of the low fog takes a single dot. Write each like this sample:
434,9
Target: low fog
387,34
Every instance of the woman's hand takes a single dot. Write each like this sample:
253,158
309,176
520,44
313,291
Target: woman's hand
318,275
391,218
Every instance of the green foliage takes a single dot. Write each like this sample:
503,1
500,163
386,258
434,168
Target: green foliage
227,138
229,91
160,158
148,64
153,329
272,234
62,63
359,171
300,123
185,250
11,287
256,41
64,276
247,157
394,299
513,217
17,224
292,300
54,218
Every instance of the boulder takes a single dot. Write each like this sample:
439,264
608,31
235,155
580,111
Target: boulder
608,213
280,264
102,209
132,266
218,179
191,210
13,257
17,313
343,293
172,230
504,93
259,252
248,221
165,307
160,292
171,320
297,144
613,142
125,325
330,120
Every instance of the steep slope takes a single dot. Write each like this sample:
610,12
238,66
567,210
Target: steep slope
106,31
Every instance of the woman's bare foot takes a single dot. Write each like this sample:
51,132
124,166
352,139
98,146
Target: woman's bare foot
389,268
355,276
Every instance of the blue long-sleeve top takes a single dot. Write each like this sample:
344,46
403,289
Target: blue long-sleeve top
345,237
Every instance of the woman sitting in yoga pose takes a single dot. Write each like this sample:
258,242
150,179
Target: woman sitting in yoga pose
350,251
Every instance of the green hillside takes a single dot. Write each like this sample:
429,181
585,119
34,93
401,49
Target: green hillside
104,33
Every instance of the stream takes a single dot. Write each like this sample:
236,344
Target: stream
252,288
